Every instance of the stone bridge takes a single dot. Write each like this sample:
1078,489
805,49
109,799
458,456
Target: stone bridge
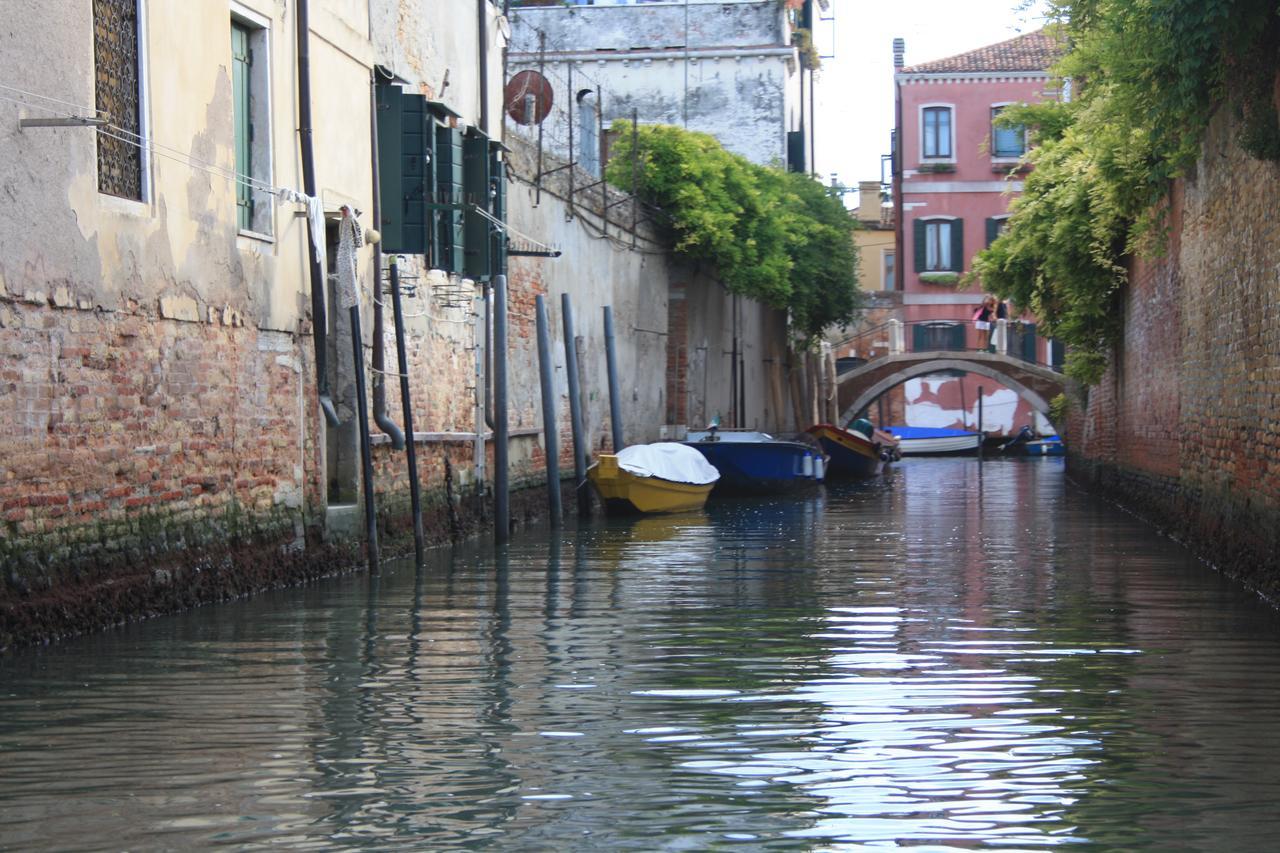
860,387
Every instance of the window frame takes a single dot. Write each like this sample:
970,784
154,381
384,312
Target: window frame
933,234
996,156
950,156
261,148
888,269
146,182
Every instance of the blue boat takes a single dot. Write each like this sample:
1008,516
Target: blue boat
756,463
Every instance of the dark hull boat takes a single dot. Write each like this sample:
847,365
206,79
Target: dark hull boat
855,453
756,463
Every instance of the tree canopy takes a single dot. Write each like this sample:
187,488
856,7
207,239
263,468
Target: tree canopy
1145,78
774,236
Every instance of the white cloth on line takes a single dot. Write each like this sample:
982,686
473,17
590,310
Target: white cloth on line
315,216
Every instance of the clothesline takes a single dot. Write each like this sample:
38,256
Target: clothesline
315,206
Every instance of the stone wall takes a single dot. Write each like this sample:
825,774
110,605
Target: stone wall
1185,427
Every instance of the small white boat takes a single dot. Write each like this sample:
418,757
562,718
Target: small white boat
927,441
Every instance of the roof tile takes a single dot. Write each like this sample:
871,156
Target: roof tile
1034,51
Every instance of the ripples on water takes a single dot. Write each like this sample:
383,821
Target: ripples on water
961,656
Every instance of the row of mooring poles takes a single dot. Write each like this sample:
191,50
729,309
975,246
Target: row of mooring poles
550,419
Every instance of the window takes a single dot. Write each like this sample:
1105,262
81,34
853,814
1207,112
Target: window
939,245
1007,142
996,226
589,133
936,124
117,92
251,119
888,271
937,242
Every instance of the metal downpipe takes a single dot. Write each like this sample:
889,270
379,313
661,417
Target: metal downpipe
380,415
319,319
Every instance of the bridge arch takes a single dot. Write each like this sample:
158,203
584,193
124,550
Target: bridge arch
1035,384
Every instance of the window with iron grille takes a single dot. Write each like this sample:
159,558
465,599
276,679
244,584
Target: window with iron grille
116,92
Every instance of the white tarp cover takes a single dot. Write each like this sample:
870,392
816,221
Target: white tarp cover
668,461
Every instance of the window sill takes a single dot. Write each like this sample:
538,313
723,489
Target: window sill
256,236
129,206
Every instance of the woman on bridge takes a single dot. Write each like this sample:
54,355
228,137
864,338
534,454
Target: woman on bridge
982,319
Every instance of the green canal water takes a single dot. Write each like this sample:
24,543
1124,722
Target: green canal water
961,656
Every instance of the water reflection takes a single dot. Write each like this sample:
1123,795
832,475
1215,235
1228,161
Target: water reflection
960,656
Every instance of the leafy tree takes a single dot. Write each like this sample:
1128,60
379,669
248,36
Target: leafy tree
1147,76
773,236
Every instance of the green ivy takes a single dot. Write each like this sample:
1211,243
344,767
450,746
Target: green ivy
774,236
1147,76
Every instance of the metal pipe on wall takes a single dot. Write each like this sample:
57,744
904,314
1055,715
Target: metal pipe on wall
550,428
615,393
501,485
380,416
575,405
319,320
402,360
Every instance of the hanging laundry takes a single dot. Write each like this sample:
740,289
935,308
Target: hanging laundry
350,238
315,216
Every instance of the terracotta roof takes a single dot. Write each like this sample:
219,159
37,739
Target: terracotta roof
1029,52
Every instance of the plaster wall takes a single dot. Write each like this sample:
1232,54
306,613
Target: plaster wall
651,26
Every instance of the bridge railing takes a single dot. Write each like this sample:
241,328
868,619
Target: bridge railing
1011,338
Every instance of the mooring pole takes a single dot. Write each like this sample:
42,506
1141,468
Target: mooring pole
575,406
980,434
550,431
366,453
615,400
501,486
411,453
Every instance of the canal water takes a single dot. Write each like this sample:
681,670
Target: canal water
960,656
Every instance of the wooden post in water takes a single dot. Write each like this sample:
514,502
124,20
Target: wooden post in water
980,434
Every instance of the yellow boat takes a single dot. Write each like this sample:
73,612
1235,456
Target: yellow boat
623,491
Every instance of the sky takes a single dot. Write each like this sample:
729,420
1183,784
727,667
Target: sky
854,91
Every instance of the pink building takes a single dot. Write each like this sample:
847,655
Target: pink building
954,174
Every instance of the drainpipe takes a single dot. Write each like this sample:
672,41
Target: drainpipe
482,32
319,321
379,344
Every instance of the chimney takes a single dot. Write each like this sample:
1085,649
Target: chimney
869,201
899,50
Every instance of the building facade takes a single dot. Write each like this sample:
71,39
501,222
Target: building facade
955,172
729,68
179,415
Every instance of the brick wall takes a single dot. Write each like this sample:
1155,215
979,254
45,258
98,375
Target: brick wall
1185,427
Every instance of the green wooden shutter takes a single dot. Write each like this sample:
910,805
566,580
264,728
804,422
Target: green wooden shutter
241,61
919,338
475,174
403,170
1029,342
449,198
497,236
957,245
993,230
918,230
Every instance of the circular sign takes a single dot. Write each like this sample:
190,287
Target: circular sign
528,97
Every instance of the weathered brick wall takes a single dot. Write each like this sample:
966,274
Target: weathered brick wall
1185,428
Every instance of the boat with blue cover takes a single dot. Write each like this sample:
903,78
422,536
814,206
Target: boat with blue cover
930,441
755,463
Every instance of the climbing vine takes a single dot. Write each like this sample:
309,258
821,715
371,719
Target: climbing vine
1146,77
774,236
